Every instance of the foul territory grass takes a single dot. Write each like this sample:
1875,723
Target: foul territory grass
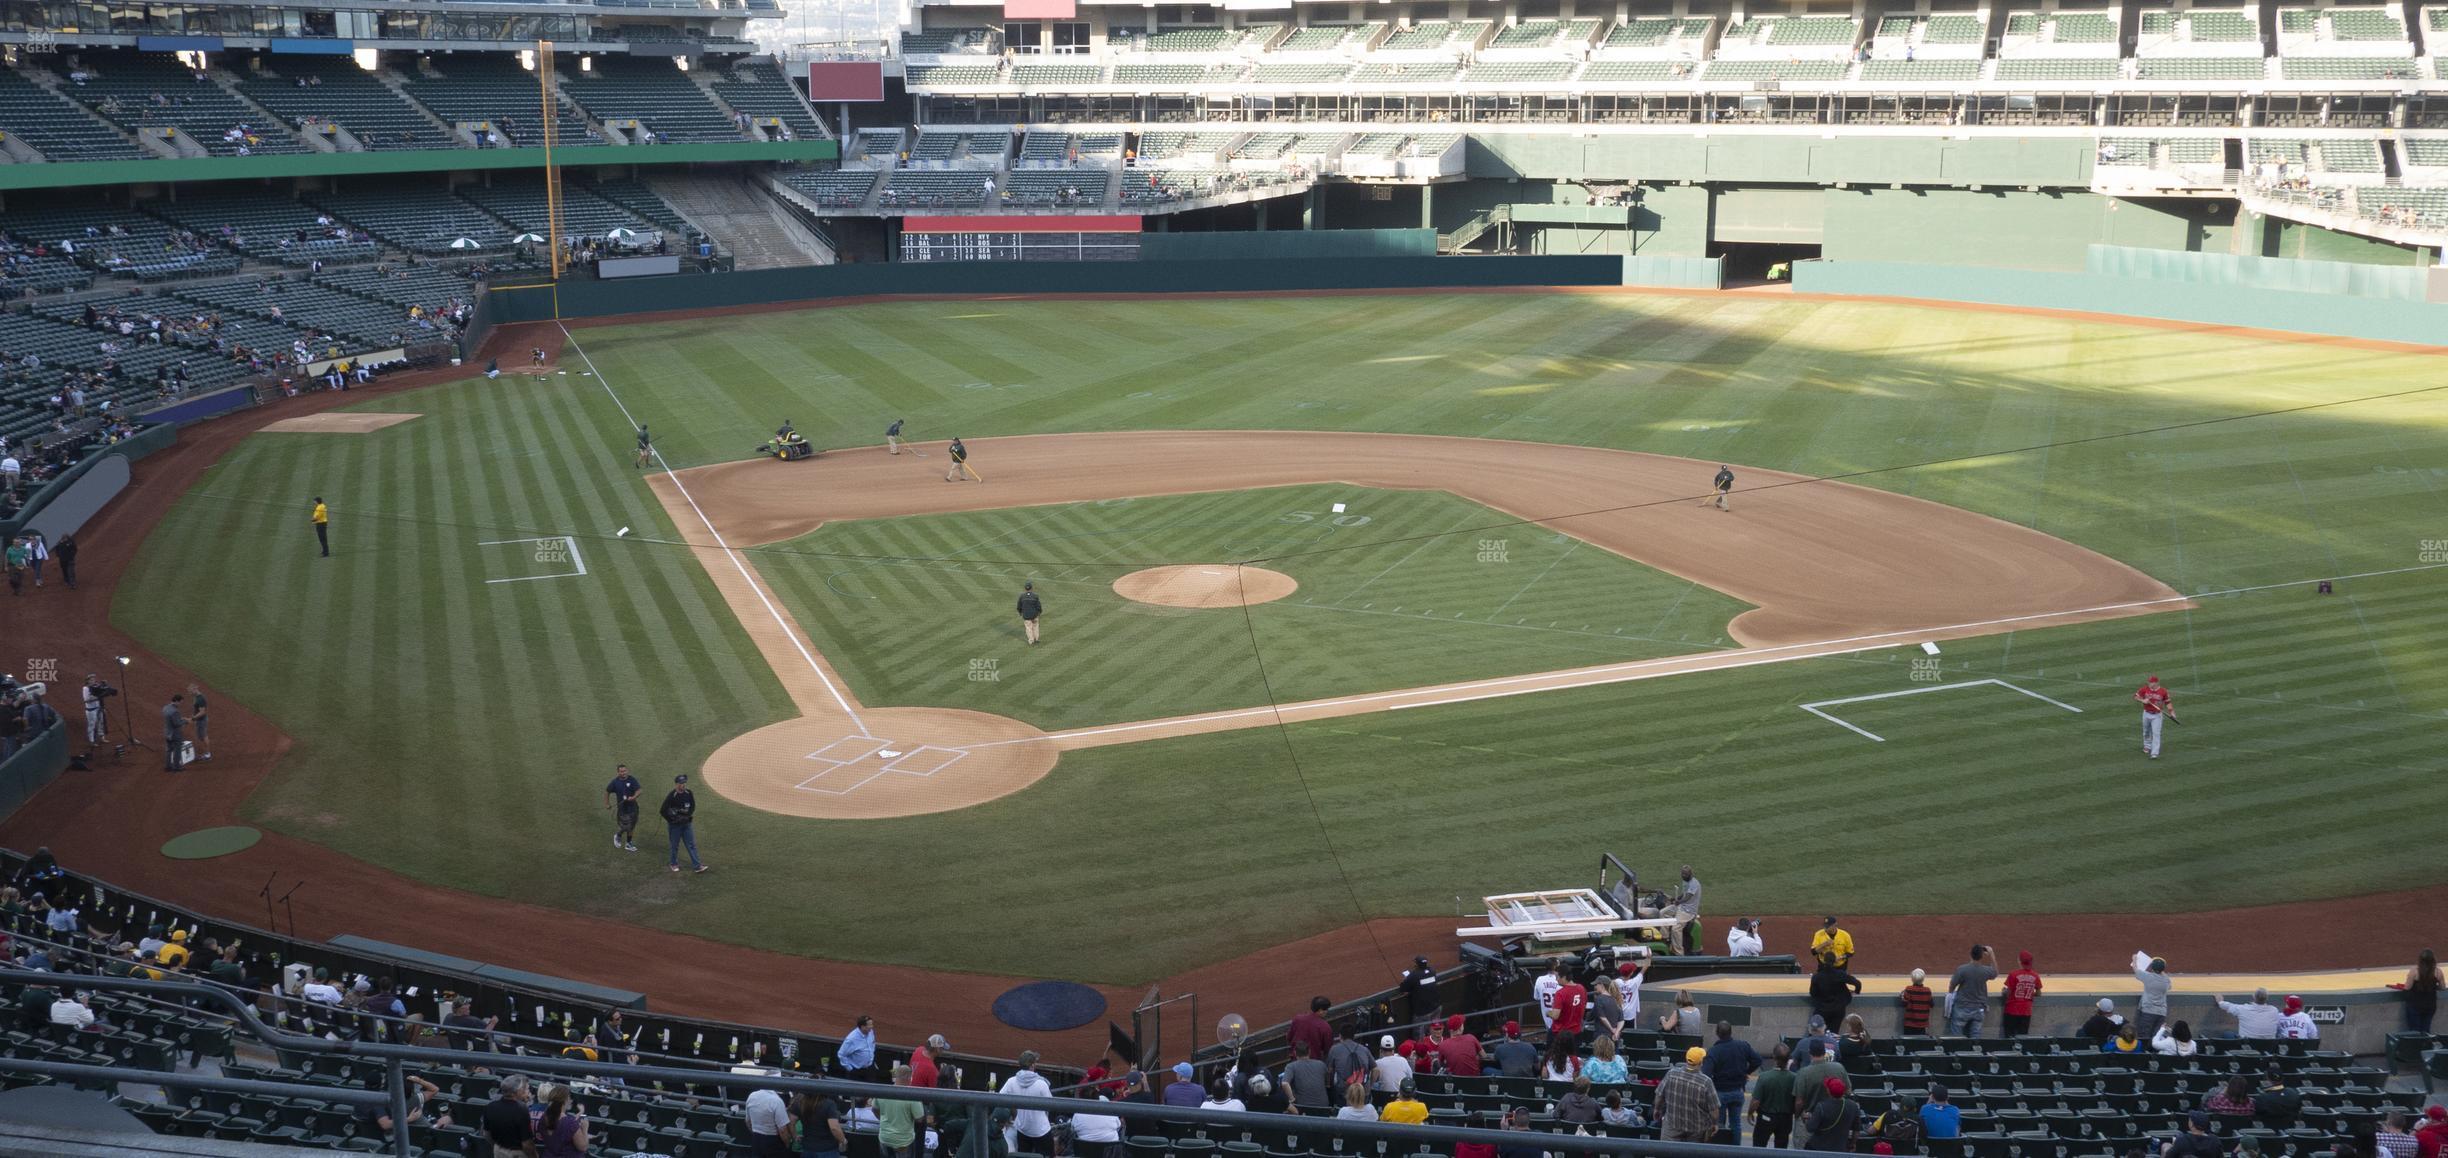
1400,589
457,730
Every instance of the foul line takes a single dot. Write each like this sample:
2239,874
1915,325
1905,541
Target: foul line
754,587
575,557
1646,669
1814,706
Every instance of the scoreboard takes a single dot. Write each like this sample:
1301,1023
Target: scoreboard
1020,238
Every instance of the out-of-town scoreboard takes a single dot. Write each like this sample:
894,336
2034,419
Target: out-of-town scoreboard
1033,237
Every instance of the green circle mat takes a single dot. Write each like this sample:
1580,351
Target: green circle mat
205,843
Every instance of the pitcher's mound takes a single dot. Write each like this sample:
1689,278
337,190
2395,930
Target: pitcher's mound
1205,585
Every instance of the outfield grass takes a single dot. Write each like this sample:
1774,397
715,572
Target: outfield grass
457,730
902,606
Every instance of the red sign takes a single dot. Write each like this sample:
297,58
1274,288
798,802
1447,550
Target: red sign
845,80
1040,9
1034,224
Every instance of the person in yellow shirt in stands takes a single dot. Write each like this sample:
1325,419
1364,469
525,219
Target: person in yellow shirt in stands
322,525
1406,1109
1832,945
173,953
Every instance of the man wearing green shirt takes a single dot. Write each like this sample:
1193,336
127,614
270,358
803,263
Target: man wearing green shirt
898,1120
1772,1101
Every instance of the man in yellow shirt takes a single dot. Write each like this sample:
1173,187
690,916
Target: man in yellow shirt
1406,1109
1832,945
322,525
173,952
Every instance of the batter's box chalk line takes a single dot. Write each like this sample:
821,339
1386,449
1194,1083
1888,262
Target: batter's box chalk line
1813,708
854,762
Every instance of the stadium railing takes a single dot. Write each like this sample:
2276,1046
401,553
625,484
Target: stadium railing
979,1106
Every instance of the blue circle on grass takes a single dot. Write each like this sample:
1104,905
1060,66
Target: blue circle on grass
1049,1005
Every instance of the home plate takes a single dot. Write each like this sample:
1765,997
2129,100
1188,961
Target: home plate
888,754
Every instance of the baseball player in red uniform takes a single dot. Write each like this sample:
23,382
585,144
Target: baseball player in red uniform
2154,712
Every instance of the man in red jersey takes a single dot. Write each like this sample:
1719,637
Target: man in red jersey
2155,708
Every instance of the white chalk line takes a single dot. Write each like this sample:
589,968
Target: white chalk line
754,587
1647,669
575,557
1814,706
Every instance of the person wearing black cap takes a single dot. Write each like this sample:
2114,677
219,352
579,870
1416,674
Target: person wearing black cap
2196,1141
1419,985
680,819
1030,608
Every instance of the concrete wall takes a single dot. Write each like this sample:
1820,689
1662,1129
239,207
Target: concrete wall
1790,158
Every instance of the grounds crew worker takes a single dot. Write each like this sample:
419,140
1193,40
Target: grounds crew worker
960,459
1724,482
1030,609
322,525
892,437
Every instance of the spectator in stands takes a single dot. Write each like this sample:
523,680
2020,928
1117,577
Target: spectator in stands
1853,1048
560,1132
1033,1131
1542,991
1406,1109
2276,1106
1356,1106
1185,1092
466,1030
2295,1024
2392,1139
2019,990
927,1066
1810,1082
174,954
1968,993
1578,1107
1939,1117
1346,1059
1220,1097
320,990
2432,1140
1308,1084
1628,978
2233,1100
1459,1053
1731,1062
1570,1009
1606,1011
2174,1040
1772,1101
1311,1027
1686,1106
768,1123
2103,1024
856,1057
1563,1064
1832,990
2126,1041
901,1121
1514,1057
816,1127
72,1011
1832,945
2256,1020
1833,1120
1684,1017
2196,1141
2151,1012
1915,1000
2422,989
378,1118
1743,940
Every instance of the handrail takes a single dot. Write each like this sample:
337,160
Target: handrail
980,1105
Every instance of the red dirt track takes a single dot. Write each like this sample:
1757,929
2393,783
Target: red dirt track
111,822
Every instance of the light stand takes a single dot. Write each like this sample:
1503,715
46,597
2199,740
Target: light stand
127,714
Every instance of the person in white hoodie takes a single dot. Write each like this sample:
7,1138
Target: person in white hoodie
2175,1040
2151,1012
1032,1131
1095,1135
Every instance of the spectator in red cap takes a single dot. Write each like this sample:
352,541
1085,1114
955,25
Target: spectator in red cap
2432,1139
2020,989
1515,1058
1833,1120
1311,1027
1460,1049
2295,1024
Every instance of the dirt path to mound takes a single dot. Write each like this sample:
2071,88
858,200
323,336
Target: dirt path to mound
110,822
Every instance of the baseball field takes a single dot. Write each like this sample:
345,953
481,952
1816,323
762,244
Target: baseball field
1445,617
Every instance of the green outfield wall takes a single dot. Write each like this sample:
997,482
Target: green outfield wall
591,299
1784,158
196,169
1287,243
2213,289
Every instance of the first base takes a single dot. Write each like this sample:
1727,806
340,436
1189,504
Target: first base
1338,508
888,754
1929,648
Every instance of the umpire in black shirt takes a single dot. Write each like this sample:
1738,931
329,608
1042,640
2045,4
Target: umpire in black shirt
1030,608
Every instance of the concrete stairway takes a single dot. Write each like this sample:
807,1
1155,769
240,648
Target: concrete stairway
744,221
